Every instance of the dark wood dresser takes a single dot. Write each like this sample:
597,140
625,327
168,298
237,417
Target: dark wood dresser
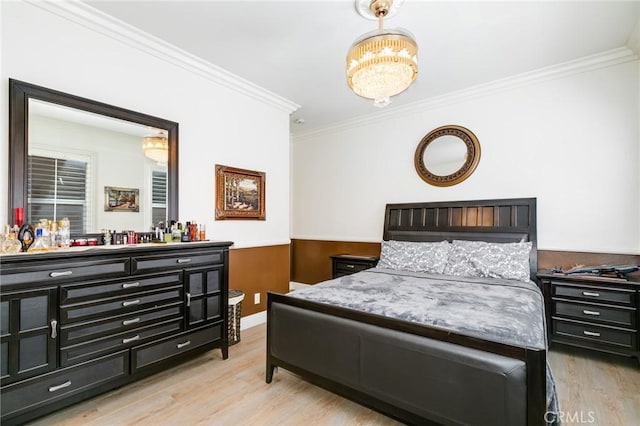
346,264
76,323
592,312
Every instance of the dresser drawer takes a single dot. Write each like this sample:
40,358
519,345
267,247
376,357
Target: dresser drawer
121,305
82,332
143,264
151,353
619,316
87,291
594,293
62,271
29,394
91,349
594,333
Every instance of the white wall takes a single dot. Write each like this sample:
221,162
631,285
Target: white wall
572,142
218,124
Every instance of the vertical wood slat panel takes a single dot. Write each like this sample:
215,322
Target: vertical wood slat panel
405,217
504,216
487,216
456,216
471,217
417,217
430,217
522,216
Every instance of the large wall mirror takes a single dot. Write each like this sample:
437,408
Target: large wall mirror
103,167
447,155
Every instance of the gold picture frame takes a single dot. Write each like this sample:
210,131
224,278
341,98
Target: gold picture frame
239,193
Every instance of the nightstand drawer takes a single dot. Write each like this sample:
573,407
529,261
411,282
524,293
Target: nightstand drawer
610,315
351,267
346,264
593,333
595,294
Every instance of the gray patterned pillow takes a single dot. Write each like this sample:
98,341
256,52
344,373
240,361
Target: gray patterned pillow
495,260
414,256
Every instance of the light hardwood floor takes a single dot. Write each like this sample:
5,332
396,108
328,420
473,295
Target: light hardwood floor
603,390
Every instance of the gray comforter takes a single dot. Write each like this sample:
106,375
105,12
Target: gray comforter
505,311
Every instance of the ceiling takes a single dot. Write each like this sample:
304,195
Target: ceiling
297,49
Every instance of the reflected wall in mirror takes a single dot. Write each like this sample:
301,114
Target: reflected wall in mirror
64,150
447,155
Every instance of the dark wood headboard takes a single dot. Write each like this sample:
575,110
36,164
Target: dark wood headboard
499,221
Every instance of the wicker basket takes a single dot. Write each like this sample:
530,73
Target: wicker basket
235,306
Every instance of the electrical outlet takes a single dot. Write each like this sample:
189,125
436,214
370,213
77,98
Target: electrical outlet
256,298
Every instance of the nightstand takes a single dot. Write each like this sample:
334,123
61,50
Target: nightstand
347,264
592,312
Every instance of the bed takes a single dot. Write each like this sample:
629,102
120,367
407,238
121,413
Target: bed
394,339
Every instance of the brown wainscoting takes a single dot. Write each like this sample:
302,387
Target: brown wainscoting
311,261
258,270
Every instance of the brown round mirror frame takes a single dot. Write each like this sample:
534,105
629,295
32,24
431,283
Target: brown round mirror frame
470,162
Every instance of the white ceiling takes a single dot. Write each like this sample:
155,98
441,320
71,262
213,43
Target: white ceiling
297,49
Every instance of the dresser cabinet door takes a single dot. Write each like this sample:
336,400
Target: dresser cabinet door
204,296
28,333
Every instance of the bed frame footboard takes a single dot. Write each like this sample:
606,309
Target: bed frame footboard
414,373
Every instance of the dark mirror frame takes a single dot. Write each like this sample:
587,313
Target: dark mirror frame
473,156
19,95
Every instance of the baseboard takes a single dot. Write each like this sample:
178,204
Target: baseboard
253,320
296,286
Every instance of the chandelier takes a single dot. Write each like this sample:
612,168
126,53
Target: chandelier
384,62
156,147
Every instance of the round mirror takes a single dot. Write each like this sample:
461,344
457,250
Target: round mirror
447,155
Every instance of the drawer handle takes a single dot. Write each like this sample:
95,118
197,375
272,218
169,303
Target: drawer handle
131,321
58,387
130,285
595,313
54,329
130,302
590,293
188,299
182,345
185,260
60,274
350,266
131,339
591,333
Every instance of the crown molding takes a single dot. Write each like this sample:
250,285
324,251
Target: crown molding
87,16
600,60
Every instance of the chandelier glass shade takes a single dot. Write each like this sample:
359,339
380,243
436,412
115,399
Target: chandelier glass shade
382,63
156,147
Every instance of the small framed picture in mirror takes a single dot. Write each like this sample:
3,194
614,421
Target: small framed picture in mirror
118,199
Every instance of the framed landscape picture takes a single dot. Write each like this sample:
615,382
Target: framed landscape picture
239,193
121,199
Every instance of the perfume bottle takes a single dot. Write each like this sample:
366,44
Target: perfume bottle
11,244
64,232
39,244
